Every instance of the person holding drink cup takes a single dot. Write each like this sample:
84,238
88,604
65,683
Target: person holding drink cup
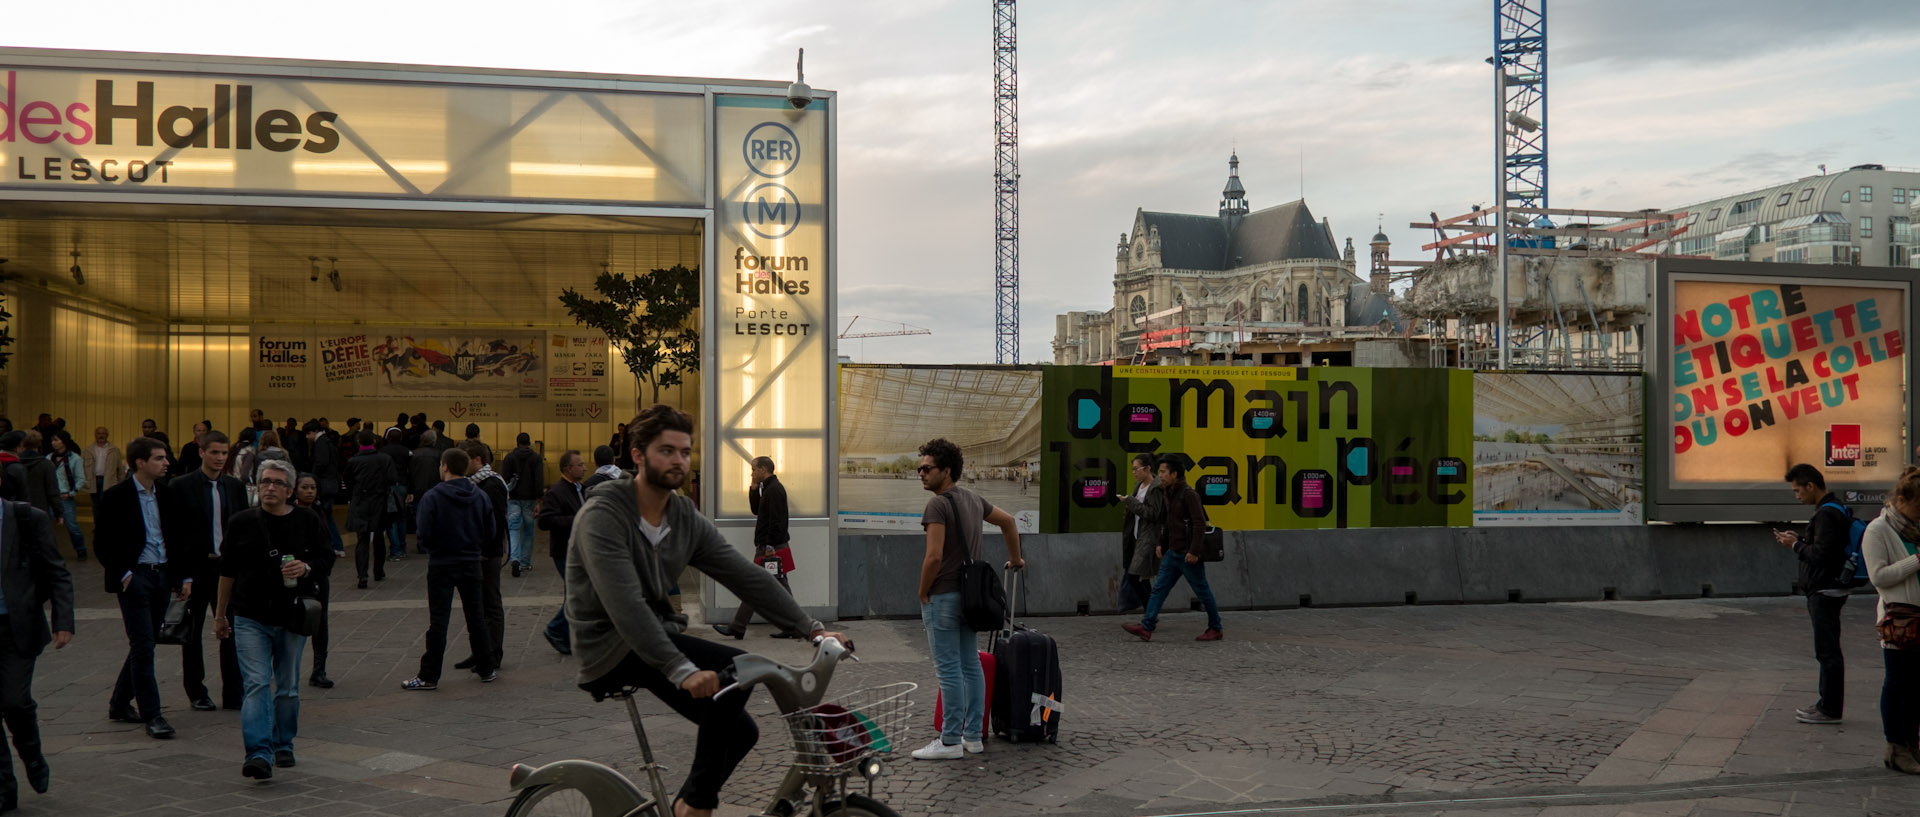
270,556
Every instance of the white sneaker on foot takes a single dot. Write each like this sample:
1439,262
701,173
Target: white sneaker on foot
939,751
973,747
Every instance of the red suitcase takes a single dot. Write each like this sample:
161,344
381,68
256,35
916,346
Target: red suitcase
986,718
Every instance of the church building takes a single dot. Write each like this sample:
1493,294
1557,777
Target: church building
1243,286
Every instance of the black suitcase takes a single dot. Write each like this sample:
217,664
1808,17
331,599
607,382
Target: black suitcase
1026,687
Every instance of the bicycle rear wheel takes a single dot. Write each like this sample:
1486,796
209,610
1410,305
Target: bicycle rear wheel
859,806
558,800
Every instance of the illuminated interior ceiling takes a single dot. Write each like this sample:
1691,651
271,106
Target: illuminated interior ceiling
1596,406
891,410
252,265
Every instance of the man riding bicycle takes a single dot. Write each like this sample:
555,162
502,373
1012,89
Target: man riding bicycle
631,539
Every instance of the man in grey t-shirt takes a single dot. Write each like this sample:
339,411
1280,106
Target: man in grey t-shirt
952,520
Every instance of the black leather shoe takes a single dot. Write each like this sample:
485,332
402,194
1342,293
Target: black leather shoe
257,768
515,568
320,680
363,584
39,775
203,705
466,663
124,716
730,631
159,728
283,758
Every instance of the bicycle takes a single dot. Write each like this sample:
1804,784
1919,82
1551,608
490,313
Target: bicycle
832,741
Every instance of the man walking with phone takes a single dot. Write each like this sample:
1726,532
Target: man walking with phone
1822,549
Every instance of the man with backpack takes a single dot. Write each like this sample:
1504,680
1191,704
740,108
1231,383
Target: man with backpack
1825,576
1179,552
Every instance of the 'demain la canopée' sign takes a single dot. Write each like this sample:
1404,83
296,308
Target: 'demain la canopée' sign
92,131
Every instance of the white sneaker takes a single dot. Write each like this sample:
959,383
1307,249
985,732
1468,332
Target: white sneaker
939,751
973,747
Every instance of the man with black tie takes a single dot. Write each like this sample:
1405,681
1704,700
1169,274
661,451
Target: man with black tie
199,505
31,575
132,545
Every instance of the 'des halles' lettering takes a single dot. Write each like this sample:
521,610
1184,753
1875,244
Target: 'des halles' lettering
225,121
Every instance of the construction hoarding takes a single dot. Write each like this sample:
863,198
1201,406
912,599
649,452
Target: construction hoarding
1270,448
1760,367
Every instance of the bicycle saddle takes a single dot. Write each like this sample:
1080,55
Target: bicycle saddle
623,692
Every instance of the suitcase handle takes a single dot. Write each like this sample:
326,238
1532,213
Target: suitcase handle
1014,585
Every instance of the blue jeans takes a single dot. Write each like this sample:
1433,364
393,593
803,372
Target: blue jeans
74,535
270,669
520,531
1172,567
397,531
956,662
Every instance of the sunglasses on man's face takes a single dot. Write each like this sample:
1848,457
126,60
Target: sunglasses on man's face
925,469
277,483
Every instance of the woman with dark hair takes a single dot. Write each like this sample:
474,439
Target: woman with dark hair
71,477
395,519
306,494
1892,566
245,454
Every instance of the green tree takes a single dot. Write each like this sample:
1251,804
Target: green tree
649,318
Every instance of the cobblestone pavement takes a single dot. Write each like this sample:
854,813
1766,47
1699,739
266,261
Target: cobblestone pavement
1525,709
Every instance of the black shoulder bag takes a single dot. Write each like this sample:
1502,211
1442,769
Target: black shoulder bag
983,603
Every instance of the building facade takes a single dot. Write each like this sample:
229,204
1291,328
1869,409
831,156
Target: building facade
1241,286
1859,216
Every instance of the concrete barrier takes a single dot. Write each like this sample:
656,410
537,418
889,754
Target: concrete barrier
1069,573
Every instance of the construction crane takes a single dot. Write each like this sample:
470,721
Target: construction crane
1006,186
1520,132
905,329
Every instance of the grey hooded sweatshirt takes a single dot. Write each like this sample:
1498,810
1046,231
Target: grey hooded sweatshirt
617,582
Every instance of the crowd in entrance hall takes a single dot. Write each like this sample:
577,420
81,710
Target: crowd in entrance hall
238,535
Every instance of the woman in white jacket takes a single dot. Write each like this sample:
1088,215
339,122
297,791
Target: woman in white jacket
1894,569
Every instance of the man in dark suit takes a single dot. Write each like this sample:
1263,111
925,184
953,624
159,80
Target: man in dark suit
132,545
199,505
32,576
557,510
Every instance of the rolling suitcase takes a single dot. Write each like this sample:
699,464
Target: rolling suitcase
1026,704
986,717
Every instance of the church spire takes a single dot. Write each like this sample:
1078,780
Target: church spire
1233,199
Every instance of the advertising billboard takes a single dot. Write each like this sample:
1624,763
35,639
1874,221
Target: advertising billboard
1764,366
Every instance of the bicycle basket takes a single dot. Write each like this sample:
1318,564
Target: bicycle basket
830,737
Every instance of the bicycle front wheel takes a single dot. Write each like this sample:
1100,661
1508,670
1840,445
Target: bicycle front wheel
858,806
558,800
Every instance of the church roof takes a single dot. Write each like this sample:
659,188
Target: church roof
1187,241
1366,308
1281,233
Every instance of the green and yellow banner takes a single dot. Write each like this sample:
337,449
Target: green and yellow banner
1268,448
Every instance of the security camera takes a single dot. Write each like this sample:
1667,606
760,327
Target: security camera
799,95
313,269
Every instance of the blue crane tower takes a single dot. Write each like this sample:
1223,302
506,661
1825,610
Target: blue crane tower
1006,186
1520,46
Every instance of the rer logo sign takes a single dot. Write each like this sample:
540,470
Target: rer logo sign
771,210
1843,445
771,150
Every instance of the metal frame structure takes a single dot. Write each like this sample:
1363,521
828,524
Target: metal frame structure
1520,127
1006,185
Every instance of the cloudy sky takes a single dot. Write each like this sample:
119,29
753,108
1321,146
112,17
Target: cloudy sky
1132,103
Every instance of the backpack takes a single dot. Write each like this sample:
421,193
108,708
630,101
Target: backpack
1856,568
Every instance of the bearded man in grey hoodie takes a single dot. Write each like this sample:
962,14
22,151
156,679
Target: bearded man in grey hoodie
631,537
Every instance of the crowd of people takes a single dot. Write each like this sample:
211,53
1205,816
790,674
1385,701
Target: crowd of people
239,535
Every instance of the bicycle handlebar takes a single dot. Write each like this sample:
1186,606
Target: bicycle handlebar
731,679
